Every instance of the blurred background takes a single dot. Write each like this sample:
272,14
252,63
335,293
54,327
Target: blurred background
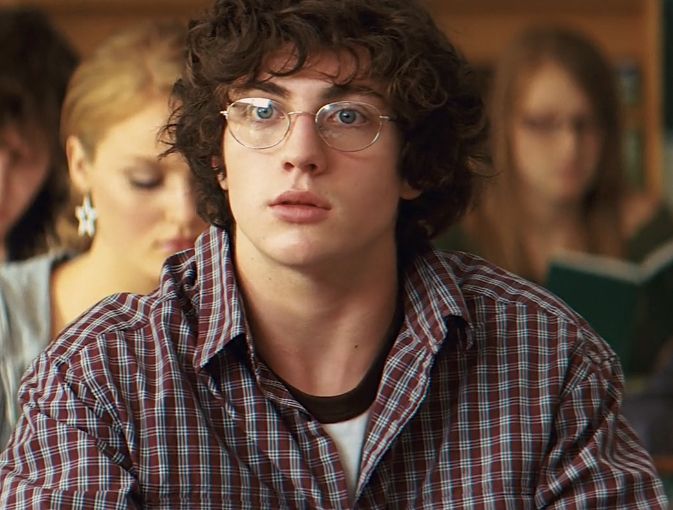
635,34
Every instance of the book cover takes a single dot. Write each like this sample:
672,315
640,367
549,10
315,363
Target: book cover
628,304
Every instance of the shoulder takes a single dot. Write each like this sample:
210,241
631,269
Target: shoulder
24,323
30,271
120,341
484,282
131,320
25,296
510,312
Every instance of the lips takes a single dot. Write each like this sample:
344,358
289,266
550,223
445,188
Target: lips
300,207
300,198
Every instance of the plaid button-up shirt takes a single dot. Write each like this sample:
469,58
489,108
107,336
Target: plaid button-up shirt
494,396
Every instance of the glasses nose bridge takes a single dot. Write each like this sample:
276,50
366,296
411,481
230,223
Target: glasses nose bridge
299,113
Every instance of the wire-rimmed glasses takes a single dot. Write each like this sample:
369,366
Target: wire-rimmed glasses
262,123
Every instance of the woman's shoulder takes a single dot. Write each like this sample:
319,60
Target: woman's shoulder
30,273
24,305
25,272
25,288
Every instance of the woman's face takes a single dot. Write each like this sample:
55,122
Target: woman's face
145,205
24,165
556,138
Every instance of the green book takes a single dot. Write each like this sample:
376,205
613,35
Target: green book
628,304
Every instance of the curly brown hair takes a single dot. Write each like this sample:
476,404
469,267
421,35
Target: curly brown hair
429,86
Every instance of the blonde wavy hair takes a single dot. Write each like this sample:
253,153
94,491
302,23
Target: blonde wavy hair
118,79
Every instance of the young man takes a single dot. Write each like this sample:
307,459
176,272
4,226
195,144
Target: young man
313,351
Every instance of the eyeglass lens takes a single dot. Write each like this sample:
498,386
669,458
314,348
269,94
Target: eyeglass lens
261,123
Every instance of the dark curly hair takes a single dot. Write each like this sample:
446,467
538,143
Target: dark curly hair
36,62
430,89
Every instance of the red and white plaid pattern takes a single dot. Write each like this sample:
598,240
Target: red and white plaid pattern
494,396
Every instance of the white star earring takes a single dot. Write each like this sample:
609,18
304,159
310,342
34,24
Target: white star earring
86,215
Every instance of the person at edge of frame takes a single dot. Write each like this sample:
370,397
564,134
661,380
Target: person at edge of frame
313,351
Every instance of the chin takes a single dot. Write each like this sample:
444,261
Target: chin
297,258
569,197
298,255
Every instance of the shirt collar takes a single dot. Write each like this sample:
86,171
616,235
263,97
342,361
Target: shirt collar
431,295
221,316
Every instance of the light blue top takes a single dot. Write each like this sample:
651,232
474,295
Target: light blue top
25,326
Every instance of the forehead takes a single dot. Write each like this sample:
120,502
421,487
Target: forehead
551,86
330,67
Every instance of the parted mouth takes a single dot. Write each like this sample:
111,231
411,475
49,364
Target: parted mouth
301,198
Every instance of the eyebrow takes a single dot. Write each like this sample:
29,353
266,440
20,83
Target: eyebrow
331,93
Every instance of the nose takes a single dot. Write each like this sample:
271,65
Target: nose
570,141
303,149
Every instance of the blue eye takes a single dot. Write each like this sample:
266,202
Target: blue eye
264,112
348,116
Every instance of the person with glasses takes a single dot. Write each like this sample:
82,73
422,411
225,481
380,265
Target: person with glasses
559,179
313,350
261,123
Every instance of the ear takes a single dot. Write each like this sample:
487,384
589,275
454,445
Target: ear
216,165
78,164
408,192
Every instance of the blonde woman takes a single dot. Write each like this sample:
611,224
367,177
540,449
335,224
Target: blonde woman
137,208
556,145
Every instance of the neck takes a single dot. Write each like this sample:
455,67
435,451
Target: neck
549,228
549,218
112,274
81,282
320,329
557,224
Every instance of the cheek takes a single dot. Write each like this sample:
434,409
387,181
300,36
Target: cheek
127,214
529,156
376,185
247,196
29,178
38,176
594,151
25,184
248,175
